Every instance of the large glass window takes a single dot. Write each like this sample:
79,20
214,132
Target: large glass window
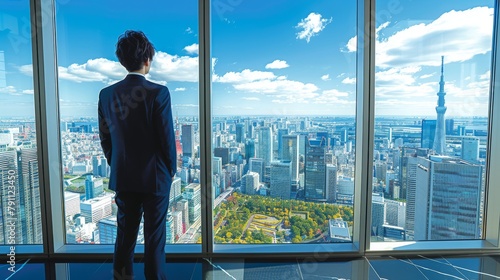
283,127
20,213
87,33
431,119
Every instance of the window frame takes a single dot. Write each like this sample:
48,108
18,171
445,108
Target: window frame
48,141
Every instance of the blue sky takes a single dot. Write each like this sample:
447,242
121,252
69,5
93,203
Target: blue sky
269,57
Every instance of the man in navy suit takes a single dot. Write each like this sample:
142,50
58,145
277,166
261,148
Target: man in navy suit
137,137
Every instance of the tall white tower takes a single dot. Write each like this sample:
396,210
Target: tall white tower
440,137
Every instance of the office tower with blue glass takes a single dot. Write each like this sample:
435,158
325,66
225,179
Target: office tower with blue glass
192,193
281,132
265,150
290,153
331,183
187,139
447,199
93,187
29,195
281,175
240,133
315,170
428,133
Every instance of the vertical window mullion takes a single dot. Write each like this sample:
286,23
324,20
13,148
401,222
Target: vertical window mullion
47,112
205,126
364,121
491,225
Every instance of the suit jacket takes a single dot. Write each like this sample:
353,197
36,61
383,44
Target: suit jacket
137,135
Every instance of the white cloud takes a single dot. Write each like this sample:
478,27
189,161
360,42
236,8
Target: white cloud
192,49
94,70
352,44
251,98
8,90
277,64
189,30
349,81
426,76
277,87
453,35
167,67
267,83
485,75
244,76
79,73
311,26
401,83
111,69
11,90
332,96
180,89
325,77
26,69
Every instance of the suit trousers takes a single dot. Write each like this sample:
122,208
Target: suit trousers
131,207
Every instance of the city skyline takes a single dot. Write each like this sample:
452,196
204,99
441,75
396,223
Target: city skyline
308,70
283,113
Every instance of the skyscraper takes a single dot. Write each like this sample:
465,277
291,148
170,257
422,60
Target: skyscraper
411,188
290,152
183,205
280,180
440,138
93,187
71,204
29,192
265,150
378,215
428,134
8,168
187,140
331,183
315,170
447,199
169,225
470,148
95,166
281,132
250,183
395,213
222,153
103,167
216,165
192,194
249,153
257,166
450,126
240,132
175,191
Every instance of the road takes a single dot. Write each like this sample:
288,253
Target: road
192,233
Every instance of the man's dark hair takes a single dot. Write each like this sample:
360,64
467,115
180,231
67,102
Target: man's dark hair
133,49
